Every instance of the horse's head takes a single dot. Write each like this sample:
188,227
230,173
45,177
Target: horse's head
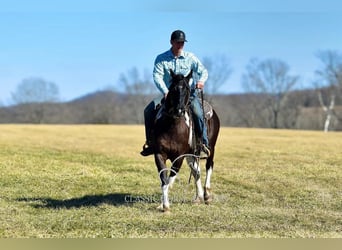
178,98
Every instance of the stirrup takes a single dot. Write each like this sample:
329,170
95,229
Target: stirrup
205,152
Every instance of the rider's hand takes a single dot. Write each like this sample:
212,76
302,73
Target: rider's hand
200,85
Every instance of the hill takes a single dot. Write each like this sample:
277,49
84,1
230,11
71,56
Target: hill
301,110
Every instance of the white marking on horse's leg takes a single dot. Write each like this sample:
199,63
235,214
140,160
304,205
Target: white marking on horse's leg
165,197
172,180
207,194
199,188
196,171
208,177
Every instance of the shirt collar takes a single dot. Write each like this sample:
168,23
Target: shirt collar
182,55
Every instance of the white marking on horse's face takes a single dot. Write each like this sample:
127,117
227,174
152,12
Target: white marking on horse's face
187,119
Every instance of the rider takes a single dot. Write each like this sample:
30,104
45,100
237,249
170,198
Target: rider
181,62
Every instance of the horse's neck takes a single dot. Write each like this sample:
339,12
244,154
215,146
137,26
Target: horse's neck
167,123
170,121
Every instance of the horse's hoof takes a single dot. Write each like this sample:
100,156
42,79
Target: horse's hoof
208,201
197,201
163,208
166,210
160,207
207,196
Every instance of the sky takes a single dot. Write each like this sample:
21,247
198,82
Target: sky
84,46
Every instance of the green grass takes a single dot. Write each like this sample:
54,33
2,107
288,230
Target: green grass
90,181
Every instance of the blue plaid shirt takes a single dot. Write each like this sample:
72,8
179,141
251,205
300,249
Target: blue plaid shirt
180,65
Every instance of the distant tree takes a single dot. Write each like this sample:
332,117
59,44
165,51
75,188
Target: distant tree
272,79
329,84
139,90
219,70
35,93
35,90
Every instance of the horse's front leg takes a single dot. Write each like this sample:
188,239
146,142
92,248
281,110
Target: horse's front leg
196,172
163,175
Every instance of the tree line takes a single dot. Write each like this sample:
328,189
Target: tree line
272,98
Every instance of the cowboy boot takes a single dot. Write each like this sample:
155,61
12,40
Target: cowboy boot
147,147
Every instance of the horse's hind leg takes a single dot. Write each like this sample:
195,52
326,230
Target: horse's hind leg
214,127
207,187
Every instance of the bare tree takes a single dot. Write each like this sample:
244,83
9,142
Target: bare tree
271,78
35,90
35,93
139,91
329,84
219,70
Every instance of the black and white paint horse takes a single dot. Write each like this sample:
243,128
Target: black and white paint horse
174,137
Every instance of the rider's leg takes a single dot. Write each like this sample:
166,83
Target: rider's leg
149,120
199,122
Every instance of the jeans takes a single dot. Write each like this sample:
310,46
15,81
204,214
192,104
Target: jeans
196,107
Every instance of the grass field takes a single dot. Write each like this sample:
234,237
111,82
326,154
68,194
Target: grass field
90,181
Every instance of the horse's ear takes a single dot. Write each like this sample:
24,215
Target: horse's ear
189,76
172,73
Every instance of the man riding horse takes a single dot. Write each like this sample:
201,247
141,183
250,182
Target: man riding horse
180,62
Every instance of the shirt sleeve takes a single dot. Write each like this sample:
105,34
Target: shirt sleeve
201,73
158,76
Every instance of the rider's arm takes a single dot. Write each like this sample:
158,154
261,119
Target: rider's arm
200,72
158,77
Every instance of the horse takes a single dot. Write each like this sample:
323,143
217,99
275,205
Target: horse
174,137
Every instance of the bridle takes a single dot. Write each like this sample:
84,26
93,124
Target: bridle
178,99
